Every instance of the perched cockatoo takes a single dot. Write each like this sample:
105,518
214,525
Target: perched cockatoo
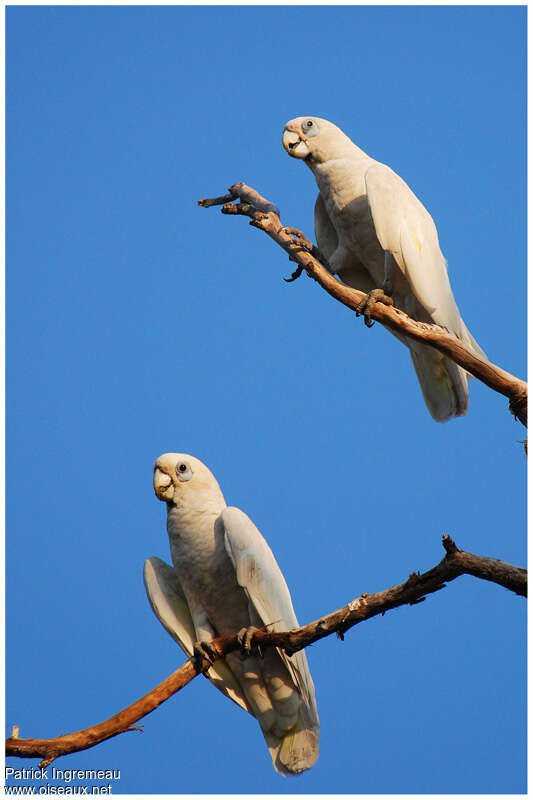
376,234
224,579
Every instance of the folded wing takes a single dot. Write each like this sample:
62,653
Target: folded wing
168,603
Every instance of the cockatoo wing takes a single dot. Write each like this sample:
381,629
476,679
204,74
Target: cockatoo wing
261,578
170,606
406,229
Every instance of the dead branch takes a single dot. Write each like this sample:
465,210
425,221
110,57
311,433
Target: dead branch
456,562
50,749
265,215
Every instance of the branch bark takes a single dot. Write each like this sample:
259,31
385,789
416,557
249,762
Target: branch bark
456,562
264,215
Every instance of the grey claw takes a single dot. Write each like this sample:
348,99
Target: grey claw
365,306
245,637
203,652
296,274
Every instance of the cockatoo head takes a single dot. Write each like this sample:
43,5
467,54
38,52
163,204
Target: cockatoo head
183,481
314,139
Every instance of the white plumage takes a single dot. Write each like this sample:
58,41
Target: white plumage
225,578
375,233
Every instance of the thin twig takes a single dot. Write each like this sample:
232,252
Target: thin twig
264,215
456,562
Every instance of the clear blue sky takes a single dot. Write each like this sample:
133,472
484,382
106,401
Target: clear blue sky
138,323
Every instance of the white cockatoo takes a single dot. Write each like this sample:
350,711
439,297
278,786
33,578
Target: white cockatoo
224,579
376,235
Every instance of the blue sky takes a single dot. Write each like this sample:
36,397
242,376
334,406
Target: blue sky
138,323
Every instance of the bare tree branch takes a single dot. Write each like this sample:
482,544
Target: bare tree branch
456,562
50,749
264,215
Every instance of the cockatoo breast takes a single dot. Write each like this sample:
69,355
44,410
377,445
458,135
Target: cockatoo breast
343,189
205,570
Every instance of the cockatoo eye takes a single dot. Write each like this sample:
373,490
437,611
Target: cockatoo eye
183,471
310,128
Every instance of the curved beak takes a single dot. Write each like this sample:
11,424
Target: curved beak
163,486
290,139
294,145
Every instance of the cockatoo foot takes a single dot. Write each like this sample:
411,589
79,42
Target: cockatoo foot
296,274
365,306
245,637
303,243
202,652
